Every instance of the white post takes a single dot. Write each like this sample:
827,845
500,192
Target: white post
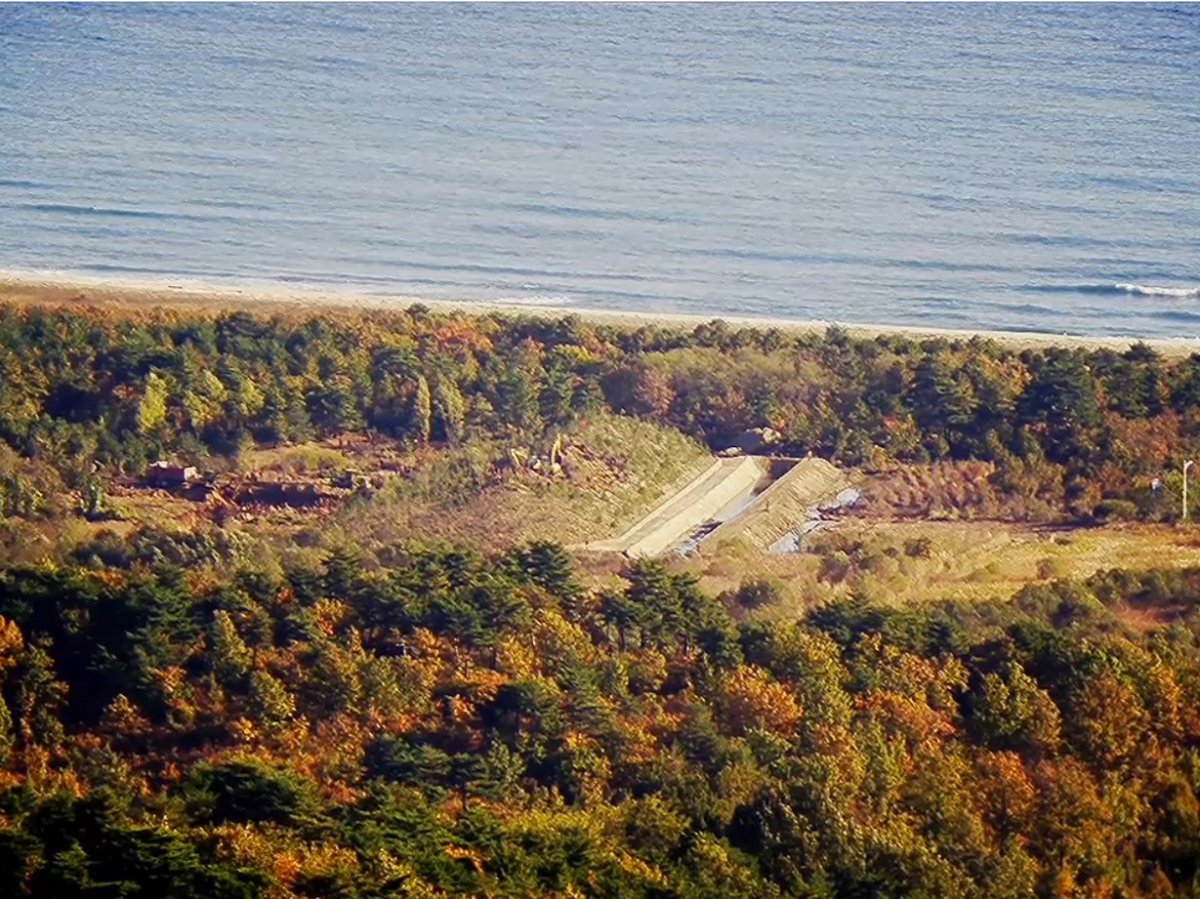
1186,465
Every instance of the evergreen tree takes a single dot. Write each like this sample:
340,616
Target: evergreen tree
152,408
270,704
465,771
333,407
449,409
517,401
1060,402
40,699
941,405
555,401
7,736
548,565
654,598
421,422
230,657
1010,711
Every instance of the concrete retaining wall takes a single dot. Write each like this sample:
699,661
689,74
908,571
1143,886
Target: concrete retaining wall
694,508
722,483
783,505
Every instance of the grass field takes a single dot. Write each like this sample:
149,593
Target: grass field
614,470
905,562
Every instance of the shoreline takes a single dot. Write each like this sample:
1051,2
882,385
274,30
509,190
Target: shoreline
63,289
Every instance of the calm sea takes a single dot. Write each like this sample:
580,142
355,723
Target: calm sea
1017,167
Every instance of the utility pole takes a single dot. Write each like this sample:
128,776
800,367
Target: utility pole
1186,465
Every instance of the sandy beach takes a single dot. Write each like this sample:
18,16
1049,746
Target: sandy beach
54,289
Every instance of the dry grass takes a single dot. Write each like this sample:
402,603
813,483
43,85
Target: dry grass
993,560
615,468
973,561
950,491
309,458
732,562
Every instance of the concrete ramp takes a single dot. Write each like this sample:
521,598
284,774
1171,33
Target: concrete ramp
723,483
784,505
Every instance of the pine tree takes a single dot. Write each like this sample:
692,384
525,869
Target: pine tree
335,677
548,565
554,400
450,409
343,572
230,655
502,772
295,421
1061,401
6,732
517,401
941,404
270,704
382,692
465,771
655,601
333,407
40,699
152,408
1010,711
421,422
618,613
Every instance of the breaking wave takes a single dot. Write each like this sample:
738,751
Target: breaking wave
541,299
1146,290
1141,290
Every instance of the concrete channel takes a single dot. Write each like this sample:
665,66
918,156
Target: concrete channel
768,503
724,483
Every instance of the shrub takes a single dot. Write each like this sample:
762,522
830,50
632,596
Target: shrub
918,547
757,592
1115,510
242,792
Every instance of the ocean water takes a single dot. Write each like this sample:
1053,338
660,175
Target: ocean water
1014,167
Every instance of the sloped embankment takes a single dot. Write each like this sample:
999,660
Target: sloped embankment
724,482
784,504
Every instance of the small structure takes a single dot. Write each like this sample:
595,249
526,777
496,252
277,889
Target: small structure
165,474
753,442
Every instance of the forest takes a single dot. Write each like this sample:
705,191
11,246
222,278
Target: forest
425,718
1071,433
455,724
